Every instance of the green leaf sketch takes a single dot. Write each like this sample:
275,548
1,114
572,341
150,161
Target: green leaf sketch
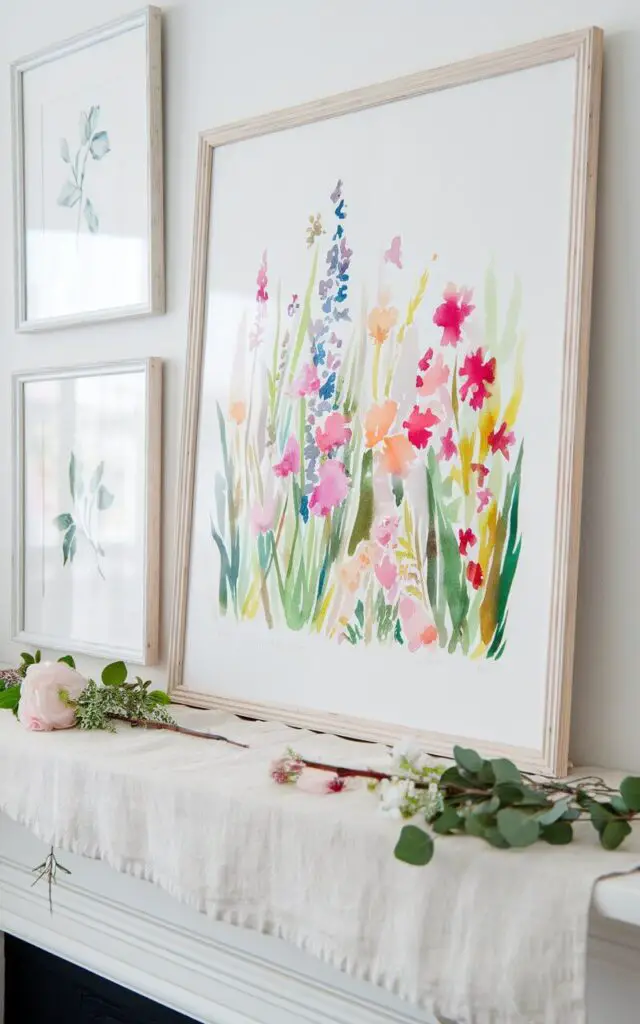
73,191
87,501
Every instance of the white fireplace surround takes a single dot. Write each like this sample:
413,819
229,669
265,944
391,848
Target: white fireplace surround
133,934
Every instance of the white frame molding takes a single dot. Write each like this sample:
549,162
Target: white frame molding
585,47
150,19
148,652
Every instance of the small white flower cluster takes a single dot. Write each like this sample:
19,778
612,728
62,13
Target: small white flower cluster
400,796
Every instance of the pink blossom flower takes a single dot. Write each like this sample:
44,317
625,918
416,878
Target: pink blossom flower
484,496
417,628
501,440
335,432
387,573
263,516
449,447
386,530
262,294
306,382
288,769
315,780
431,375
479,373
331,490
290,462
453,312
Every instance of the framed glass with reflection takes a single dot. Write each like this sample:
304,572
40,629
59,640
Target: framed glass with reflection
87,453
385,407
87,154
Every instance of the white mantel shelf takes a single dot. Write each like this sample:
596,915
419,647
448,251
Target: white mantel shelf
134,934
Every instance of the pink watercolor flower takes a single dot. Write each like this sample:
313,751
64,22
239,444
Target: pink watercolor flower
331,490
478,373
335,432
43,705
262,294
449,447
417,426
290,462
500,440
484,496
432,375
453,312
481,471
386,530
466,540
263,516
417,628
394,253
307,381
387,573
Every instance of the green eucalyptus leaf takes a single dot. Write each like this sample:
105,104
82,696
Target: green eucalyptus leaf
490,806
571,814
96,477
475,825
509,792
619,805
486,775
494,836
467,759
601,815
67,660
505,770
104,498
37,656
518,828
559,833
415,846
452,777
446,821
614,833
27,659
114,674
533,797
630,792
555,812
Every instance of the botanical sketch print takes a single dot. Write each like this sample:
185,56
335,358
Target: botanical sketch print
94,144
88,502
370,463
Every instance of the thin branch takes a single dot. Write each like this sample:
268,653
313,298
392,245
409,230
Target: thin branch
144,723
49,870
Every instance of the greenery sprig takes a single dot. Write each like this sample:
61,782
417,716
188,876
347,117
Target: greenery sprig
493,800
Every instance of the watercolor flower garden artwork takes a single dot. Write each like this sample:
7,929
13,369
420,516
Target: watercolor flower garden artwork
371,462
93,143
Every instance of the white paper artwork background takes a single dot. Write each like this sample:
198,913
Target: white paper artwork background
71,271
476,173
99,418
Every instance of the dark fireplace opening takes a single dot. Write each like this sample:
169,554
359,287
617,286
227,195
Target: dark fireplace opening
44,989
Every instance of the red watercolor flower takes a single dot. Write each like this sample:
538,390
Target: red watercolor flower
336,784
417,426
449,447
475,575
482,471
500,441
452,313
466,540
478,373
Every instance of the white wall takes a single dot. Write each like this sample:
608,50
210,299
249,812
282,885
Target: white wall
226,60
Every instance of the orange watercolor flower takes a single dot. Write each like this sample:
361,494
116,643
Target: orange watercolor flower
378,422
238,412
398,454
349,573
381,321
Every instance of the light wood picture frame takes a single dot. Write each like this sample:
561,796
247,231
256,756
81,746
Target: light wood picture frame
316,401
86,509
88,177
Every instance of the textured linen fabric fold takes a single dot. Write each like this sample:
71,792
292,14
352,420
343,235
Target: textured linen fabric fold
480,936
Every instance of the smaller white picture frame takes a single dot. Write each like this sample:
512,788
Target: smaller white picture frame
86,509
88,177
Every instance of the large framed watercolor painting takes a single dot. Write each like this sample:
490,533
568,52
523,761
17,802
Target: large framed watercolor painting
382,452
87,509
87,164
